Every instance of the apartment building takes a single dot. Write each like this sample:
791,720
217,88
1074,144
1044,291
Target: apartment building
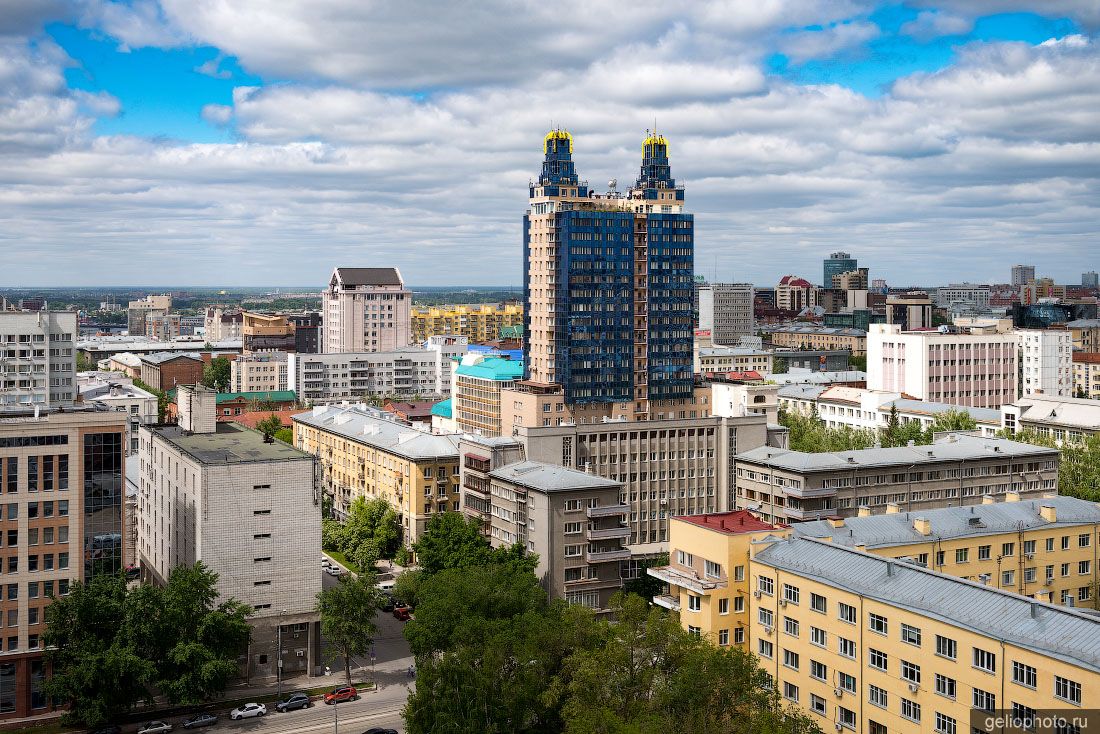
163,327
166,370
62,474
1022,275
1046,362
480,455
726,311
1086,375
249,508
138,312
732,359
479,385
796,294
958,469
735,398
37,359
973,369
909,311
818,337
259,372
1086,334
118,393
971,295
1062,419
478,323
325,378
835,264
222,324
264,332
365,310
366,453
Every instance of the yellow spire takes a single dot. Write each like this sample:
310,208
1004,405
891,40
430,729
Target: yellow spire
654,139
557,135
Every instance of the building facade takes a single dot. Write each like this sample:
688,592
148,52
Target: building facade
263,332
726,310
1086,334
973,369
1022,275
819,338
478,323
479,382
119,394
909,311
1090,279
1086,375
166,370
63,480
37,360
733,359
222,324
1061,419
259,372
1046,362
307,332
835,264
138,312
365,310
249,508
796,294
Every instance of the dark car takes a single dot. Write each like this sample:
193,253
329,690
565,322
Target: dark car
200,720
380,730
107,729
387,603
293,702
346,693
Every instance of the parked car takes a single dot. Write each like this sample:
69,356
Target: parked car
325,562
107,729
200,720
402,613
347,693
293,702
334,570
380,730
154,727
248,711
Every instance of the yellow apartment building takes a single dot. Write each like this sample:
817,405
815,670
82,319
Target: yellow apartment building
481,323
365,454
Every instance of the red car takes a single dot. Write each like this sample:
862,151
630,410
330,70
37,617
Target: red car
347,693
402,613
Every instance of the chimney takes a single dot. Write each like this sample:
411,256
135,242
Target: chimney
197,408
892,508
923,526
1012,496
836,522
1048,513
864,511
988,499
889,568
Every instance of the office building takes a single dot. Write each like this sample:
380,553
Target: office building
1086,375
222,324
910,311
958,469
726,310
37,360
1062,419
118,393
1090,279
367,453
166,370
1046,362
365,310
138,312
307,332
973,296
835,264
249,508
328,378
478,323
479,385
62,477
810,337
1034,291
966,368
263,332
1022,275
710,360
259,371
796,294
852,280
608,282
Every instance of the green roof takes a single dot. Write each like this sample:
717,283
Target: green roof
274,396
493,368
442,408
511,332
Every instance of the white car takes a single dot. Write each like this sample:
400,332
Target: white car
248,711
334,570
325,563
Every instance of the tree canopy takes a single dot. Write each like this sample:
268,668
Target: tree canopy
347,616
1079,471
372,531
216,374
270,425
453,540
808,433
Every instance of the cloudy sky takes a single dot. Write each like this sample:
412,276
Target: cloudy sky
250,142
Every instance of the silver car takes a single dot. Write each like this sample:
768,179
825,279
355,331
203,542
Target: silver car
154,727
248,711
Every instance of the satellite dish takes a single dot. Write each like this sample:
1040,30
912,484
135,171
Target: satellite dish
612,184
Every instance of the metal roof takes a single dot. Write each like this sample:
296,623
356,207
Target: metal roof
369,276
550,477
492,368
953,447
1062,633
801,391
1071,412
906,405
357,424
162,357
879,531
231,443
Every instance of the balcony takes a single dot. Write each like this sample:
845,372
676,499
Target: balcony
668,602
686,579
798,513
619,554
608,511
607,533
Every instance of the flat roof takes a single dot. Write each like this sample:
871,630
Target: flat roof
1060,632
550,477
728,523
230,443
358,424
492,368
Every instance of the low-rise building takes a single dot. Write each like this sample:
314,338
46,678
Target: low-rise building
1086,375
118,393
249,508
442,417
810,337
958,469
365,452
124,362
259,372
478,323
478,382
166,370
413,411
731,359
1062,419
1046,362
735,398
230,405
1085,334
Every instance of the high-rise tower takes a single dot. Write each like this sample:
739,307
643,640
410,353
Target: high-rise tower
608,287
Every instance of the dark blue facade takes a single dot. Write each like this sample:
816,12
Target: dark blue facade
526,296
655,173
671,254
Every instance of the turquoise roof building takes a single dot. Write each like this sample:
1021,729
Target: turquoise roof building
442,408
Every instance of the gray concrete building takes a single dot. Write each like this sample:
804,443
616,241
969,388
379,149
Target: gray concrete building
37,359
784,486
726,311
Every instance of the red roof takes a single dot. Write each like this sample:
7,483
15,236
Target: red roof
1086,357
731,523
795,281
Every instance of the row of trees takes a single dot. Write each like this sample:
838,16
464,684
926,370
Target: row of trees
808,432
495,655
372,531
111,647
1079,471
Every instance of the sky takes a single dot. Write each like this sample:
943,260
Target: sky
207,142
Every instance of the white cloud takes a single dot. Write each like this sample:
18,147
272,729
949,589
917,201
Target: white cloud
217,114
212,68
930,24
828,41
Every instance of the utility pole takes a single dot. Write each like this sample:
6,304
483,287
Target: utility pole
279,662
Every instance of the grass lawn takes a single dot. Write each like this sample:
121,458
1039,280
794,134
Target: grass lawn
342,559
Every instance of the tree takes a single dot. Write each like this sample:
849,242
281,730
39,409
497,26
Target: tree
347,616
452,540
779,366
857,362
1079,470
809,434
162,398
951,420
647,586
216,374
270,425
83,364
286,435
372,531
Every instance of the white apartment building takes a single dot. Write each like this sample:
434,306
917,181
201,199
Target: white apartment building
250,510
732,359
222,325
326,378
259,372
37,359
968,294
117,392
1046,362
1062,419
738,399
972,369
725,310
365,310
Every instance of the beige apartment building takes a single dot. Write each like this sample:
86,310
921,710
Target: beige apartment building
365,310
784,486
478,323
139,312
732,359
1085,334
820,337
222,324
259,372
1086,375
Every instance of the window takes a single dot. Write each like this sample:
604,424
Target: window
572,551
723,606
572,528
1008,549
818,637
1084,540
910,710
790,691
790,626
847,682
945,686
739,604
723,637
962,555
817,704
847,648
1084,567
847,718
261,512
713,570
946,647
984,700
817,603
877,623
790,593
694,603
910,634
765,585
984,552
739,636
1023,716
261,583
819,670
765,648
1023,674
910,671
877,659
984,660
945,724
766,617
877,696
685,559
1067,690
695,631
846,613
1008,578
790,659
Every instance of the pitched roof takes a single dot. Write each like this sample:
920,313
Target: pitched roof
492,368
162,357
369,276
275,396
378,429
550,477
730,523
442,408
1048,629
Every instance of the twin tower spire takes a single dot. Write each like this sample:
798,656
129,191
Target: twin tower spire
655,175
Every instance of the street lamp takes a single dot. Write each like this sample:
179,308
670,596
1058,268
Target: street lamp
279,661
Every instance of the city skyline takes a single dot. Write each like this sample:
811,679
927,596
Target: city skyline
163,137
